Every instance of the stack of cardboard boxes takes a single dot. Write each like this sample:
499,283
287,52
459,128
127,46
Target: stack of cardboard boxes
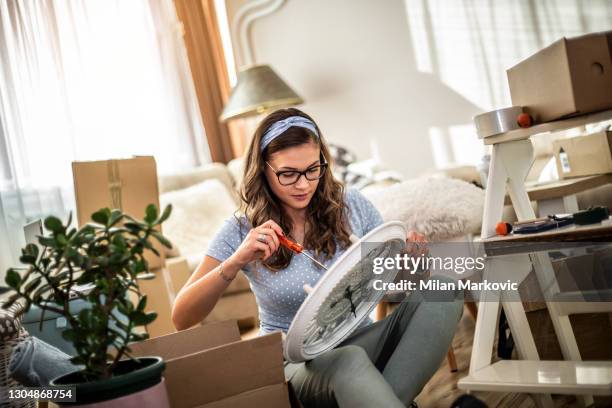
129,185
208,365
571,77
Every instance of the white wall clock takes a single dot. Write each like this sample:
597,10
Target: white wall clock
345,295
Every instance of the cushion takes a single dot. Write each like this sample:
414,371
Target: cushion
188,178
439,208
198,213
235,167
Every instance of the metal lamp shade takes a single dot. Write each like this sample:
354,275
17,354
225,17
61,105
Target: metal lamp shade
258,89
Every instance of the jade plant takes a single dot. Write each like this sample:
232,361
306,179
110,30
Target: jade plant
106,256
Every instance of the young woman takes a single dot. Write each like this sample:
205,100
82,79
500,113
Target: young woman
289,189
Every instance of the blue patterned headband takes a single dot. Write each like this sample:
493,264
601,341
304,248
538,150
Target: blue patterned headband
278,128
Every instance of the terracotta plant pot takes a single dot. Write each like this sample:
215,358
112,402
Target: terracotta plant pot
134,384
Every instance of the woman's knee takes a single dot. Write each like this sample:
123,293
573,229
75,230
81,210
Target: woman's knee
447,314
348,359
342,359
351,358
351,363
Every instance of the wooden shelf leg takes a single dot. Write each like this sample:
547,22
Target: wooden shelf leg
452,360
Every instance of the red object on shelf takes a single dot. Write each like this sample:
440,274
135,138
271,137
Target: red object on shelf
524,120
503,228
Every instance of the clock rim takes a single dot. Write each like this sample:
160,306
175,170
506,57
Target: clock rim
293,349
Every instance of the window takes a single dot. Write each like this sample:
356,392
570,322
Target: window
469,44
87,80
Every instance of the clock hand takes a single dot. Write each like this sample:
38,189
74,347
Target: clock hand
348,293
353,308
347,290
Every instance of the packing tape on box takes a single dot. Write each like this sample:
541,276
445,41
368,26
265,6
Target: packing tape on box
114,183
497,121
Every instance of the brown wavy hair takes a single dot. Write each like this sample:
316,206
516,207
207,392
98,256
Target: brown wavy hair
326,220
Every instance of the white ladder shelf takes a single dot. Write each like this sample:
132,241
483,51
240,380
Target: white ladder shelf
543,377
511,159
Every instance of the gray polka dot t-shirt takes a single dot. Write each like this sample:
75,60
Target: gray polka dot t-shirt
280,294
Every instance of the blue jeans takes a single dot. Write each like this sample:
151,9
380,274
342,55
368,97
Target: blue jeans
385,364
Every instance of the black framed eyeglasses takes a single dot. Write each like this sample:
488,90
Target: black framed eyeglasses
288,177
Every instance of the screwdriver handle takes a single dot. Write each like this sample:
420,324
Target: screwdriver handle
294,246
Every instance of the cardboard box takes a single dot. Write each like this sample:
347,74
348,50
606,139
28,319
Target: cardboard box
572,76
584,155
239,284
188,341
138,329
593,332
272,396
240,306
126,184
159,301
178,274
209,366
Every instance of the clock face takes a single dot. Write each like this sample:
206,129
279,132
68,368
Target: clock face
345,295
354,292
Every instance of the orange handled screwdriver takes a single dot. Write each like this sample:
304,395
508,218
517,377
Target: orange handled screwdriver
297,248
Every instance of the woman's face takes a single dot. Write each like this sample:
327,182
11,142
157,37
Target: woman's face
296,158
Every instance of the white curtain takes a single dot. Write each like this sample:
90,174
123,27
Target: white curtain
87,80
469,44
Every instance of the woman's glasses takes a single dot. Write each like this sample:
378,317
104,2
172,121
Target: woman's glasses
288,177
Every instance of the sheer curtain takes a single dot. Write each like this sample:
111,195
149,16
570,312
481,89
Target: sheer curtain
469,44
87,80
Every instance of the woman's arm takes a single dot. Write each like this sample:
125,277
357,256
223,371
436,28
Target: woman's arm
203,289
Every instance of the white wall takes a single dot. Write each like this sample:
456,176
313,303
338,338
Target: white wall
410,74
352,61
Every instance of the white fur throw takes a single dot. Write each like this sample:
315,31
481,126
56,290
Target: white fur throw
198,213
439,208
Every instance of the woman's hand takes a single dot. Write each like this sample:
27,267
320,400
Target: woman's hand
260,243
416,244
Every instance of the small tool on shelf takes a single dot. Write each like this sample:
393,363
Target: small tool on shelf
591,215
535,225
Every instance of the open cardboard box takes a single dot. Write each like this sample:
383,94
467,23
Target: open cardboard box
159,300
161,292
209,366
239,306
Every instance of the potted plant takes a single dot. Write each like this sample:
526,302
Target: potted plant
107,256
